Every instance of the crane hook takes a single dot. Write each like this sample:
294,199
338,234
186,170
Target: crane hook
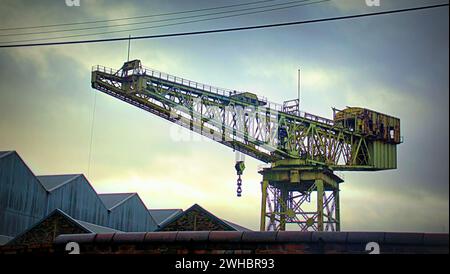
240,166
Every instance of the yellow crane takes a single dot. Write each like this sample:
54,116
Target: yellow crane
303,150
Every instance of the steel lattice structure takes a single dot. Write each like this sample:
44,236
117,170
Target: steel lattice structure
296,214
303,149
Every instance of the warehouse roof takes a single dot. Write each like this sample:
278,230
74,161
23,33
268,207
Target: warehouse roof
52,182
4,153
135,217
160,215
60,223
112,200
88,227
197,207
96,228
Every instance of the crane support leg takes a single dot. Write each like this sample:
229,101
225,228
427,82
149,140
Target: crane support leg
284,207
320,198
337,208
264,185
299,196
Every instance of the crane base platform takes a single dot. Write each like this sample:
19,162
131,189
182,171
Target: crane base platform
301,197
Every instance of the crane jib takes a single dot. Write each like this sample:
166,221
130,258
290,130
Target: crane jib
356,139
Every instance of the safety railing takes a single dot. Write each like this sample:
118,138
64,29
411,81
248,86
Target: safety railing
189,83
220,91
316,118
104,69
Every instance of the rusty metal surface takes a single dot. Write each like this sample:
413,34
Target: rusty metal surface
272,236
257,238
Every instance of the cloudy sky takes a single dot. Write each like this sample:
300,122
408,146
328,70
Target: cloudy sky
396,64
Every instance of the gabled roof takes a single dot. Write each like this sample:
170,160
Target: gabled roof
84,226
4,153
42,185
213,217
88,227
17,159
93,228
112,200
236,226
161,215
52,182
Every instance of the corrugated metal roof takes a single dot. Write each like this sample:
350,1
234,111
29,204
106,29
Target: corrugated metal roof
4,153
25,201
161,215
199,208
38,223
85,226
97,228
112,200
89,227
22,197
51,182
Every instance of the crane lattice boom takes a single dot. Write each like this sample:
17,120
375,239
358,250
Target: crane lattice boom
356,139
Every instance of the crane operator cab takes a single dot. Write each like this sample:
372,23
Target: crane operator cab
367,122
381,131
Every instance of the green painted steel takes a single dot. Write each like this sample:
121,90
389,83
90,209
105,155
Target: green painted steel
384,155
251,124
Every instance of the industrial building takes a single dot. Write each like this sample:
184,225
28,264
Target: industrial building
56,223
196,218
160,215
40,214
39,208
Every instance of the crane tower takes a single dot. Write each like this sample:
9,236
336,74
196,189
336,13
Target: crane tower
303,151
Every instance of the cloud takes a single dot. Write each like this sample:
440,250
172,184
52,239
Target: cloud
366,209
